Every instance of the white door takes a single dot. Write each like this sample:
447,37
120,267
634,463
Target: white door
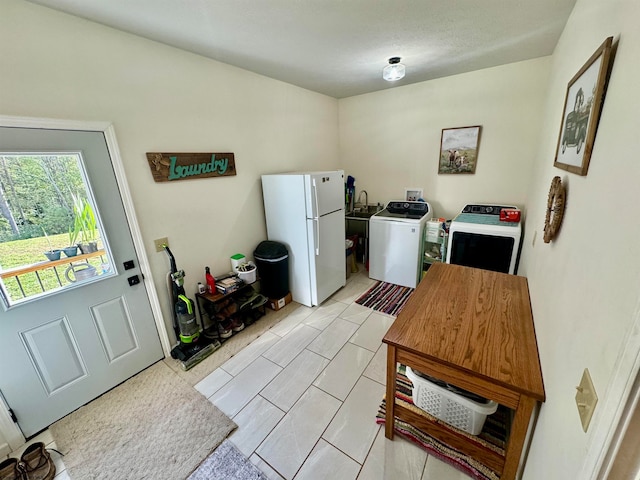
327,255
64,348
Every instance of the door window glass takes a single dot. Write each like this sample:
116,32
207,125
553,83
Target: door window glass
51,238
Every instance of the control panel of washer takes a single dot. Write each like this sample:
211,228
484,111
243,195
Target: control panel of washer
485,209
413,208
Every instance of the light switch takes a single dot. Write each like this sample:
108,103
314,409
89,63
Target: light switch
586,399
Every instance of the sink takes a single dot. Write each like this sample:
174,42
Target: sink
364,211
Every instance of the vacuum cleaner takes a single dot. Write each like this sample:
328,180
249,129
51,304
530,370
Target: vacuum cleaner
192,347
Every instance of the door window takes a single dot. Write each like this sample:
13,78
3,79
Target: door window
51,238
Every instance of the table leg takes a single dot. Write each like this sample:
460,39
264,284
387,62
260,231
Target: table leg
391,391
517,437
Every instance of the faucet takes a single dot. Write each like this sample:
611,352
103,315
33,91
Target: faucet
366,198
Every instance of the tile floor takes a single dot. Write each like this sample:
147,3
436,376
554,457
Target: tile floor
305,394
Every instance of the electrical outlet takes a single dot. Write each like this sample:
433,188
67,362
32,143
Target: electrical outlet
159,242
586,399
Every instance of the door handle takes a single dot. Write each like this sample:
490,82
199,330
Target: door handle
135,280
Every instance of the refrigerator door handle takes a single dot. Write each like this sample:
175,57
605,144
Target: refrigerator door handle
317,232
315,197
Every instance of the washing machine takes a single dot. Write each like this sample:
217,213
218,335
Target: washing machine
396,236
479,239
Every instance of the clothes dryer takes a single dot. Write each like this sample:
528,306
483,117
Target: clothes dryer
479,239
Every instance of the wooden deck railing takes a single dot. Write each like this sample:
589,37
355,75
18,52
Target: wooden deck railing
46,265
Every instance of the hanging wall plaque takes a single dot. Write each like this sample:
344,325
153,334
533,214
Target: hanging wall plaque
167,167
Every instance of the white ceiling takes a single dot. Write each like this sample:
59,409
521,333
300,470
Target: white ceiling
339,47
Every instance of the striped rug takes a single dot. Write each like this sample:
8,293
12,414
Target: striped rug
493,435
386,297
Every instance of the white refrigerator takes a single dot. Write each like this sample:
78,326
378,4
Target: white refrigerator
305,211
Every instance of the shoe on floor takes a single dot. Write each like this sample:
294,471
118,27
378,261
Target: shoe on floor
37,462
10,469
237,325
224,328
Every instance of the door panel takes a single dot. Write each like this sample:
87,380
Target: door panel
115,328
54,354
65,349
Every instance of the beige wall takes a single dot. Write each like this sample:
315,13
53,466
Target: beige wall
584,285
390,140
163,99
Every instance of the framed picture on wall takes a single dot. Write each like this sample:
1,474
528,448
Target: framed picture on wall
582,106
459,149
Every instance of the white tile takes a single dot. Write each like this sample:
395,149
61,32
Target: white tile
350,292
255,422
248,354
292,320
264,467
326,462
354,427
57,459
344,370
370,334
63,475
394,459
291,345
240,391
288,445
437,469
332,338
377,368
324,314
213,382
356,313
291,383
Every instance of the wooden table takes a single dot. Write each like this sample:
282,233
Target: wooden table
474,329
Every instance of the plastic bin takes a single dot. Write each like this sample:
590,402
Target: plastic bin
272,260
454,409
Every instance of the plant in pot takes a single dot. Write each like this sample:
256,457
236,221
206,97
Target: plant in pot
74,232
83,213
53,253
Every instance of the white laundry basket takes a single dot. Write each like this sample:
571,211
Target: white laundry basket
456,410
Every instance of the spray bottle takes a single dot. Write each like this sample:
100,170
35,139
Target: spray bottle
211,283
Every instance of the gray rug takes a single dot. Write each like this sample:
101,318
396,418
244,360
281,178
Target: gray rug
153,426
227,463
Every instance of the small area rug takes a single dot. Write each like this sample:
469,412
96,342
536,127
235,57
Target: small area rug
227,463
386,297
493,435
153,426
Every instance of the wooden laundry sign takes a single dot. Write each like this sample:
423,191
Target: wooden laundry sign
166,167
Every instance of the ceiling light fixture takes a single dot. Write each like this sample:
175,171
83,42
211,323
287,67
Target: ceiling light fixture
394,71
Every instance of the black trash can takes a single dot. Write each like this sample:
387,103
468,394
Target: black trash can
272,260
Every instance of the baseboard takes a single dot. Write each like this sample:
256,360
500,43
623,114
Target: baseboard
5,450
